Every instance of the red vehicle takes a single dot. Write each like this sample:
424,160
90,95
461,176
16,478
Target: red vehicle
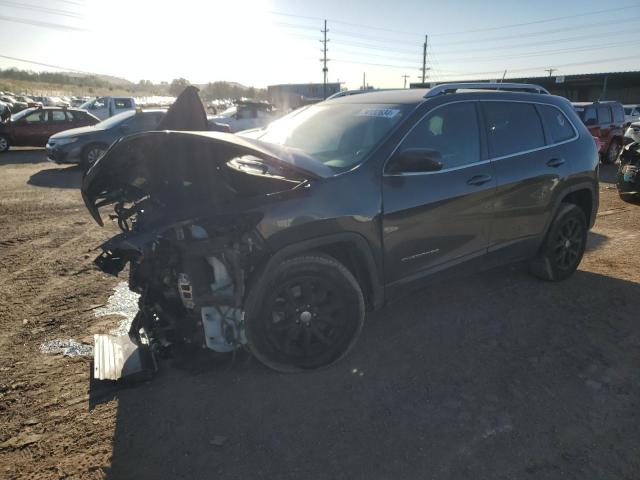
32,127
606,121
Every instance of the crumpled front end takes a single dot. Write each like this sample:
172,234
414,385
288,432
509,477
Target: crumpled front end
186,206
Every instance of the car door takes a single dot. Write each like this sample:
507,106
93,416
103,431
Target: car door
435,219
30,129
527,169
58,121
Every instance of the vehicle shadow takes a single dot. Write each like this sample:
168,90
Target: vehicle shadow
23,156
67,177
608,173
497,375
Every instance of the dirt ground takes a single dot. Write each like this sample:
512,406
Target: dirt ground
496,376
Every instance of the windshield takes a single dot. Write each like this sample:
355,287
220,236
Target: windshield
339,135
115,120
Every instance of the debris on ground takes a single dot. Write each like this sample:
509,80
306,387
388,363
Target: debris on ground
68,348
122,302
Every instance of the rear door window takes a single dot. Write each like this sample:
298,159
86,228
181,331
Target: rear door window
557,124
618,114
604,115
452,130
58,116
512,128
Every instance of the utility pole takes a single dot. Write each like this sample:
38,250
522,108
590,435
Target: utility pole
364,80
551,70
424,58
324,59
405,80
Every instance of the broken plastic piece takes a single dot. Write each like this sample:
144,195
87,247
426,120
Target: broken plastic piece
117,357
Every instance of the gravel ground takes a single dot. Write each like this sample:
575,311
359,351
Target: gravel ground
495,376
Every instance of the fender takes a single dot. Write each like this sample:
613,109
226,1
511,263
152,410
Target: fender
583,185
363,247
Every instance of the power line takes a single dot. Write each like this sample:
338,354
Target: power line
545,20
46,65
538,53
38,8
37,23
537,33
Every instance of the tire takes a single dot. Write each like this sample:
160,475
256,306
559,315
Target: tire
612,153
92,152
564,245
304,314
4,143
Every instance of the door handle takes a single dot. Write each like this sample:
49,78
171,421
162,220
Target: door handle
555,162
479,179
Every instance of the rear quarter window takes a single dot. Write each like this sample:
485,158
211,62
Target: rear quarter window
604,115
557,124
618,114
512,128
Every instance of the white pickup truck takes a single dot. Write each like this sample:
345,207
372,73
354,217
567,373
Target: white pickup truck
105,107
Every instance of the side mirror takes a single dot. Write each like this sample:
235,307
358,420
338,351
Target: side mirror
415,160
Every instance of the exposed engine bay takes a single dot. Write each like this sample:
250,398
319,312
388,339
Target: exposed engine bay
187,231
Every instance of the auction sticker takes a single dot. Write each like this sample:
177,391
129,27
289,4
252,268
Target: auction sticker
378,112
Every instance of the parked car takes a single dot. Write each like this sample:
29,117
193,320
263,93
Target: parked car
631,113
105,107
246,115
282,241
55,102
85,145
33,126
30,102
215,126
604,120
13,103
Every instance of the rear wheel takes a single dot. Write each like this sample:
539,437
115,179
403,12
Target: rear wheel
4,143
92,153
564,246
307,313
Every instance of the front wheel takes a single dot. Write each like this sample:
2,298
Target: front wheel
92,153
564,246
307,313
4,143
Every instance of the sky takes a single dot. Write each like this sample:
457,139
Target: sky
264,42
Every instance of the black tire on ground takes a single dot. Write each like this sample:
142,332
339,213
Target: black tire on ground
563,248
4,143
92,152
304,314
613,152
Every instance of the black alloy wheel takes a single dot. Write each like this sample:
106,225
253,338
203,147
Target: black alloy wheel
310,315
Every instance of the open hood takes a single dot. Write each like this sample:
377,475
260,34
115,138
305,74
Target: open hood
181,172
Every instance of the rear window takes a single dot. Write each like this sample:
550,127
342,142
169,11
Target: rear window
512,128
604,115
123,103
558,126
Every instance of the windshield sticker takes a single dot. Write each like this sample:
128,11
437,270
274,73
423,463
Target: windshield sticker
378,112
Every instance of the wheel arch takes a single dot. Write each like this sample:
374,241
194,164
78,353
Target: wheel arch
350,249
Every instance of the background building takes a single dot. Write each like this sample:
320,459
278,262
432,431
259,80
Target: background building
293,95
587,87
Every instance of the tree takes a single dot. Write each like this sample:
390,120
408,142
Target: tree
177,86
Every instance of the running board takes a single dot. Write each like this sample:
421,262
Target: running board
118,357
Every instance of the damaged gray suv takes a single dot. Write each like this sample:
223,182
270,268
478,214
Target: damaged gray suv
283,238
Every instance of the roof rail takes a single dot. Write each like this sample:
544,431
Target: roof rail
347,93
453,87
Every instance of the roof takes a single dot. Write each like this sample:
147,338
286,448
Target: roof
400,96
